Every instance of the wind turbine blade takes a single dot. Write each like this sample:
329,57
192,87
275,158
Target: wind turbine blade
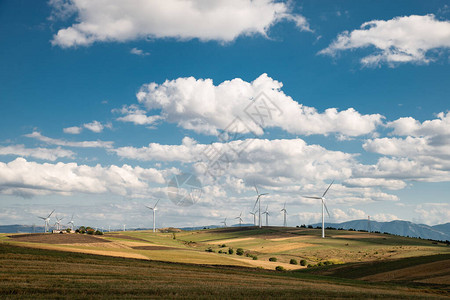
264,194
327,189
156,204
51,214
312,197
257,193
254,206
284,207
151,208
326,208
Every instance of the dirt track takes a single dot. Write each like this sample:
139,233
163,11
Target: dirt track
48,238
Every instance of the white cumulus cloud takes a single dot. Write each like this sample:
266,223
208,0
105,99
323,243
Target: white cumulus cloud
199,105
119,21
73,130
83,144
399,40
24,178
94,126
40,153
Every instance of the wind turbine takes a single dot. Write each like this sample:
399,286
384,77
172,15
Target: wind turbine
58,223
323,206
154,212
254,217
266,212
240,219
47,220
124,227
259,202
224,222
285,213
71,222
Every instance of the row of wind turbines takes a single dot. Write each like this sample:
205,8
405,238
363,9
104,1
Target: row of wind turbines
224,222
57,223
283,210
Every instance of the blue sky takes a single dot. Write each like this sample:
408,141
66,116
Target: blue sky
104,102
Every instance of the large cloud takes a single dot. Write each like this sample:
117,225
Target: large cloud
24,178
118,20
421,154
399,40
287,167
199,105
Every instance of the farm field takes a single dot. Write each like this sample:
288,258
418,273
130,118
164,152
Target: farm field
31,273
258,245
143,264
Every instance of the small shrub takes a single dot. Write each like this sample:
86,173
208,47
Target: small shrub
303,262
220,251
280,268
309,266
255,257
273,259
293,261
209,249
98,232
240,251
230,251
68,230
223,245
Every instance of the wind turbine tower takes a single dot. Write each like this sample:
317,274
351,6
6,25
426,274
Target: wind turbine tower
224,222
285,213
258,201
154,214
266,212
324,206
254,217
368,221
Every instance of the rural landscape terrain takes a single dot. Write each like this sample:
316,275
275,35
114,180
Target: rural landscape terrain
238,262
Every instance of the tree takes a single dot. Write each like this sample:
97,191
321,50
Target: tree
230,251
240,251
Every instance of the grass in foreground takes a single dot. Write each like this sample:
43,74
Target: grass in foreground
27,273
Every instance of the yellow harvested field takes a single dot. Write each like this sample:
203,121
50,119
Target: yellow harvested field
230,241
264,248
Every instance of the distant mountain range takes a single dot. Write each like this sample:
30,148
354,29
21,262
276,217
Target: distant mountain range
404,228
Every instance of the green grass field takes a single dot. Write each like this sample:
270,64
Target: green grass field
143,264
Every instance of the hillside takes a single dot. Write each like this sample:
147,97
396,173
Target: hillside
30,273
397,227
213,246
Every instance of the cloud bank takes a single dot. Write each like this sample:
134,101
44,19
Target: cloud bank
119,21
